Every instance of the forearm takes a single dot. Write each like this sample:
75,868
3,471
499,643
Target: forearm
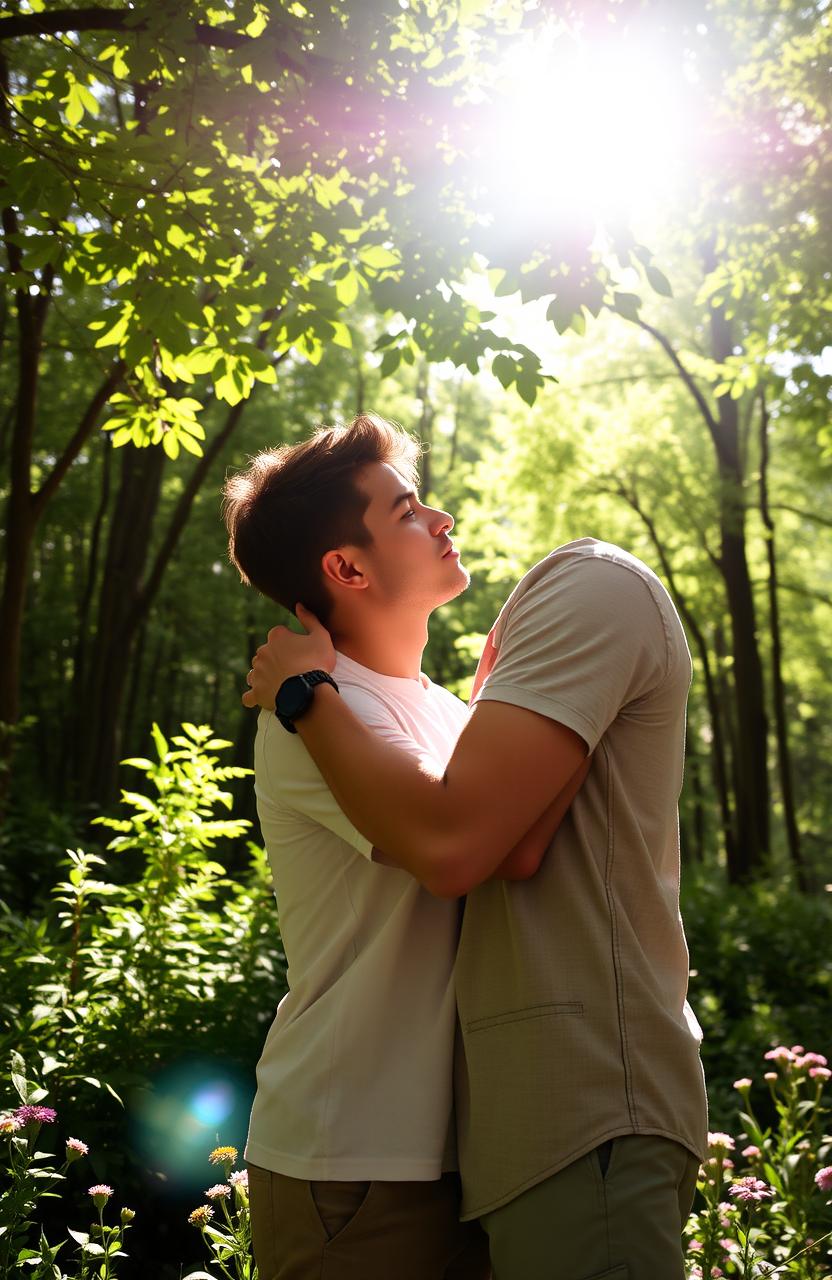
452,832
405,811
526,856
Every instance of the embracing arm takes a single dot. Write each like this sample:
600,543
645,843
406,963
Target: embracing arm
453,832
509,767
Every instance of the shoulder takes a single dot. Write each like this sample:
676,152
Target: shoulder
596,578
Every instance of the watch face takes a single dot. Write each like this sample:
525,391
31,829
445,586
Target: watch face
294,697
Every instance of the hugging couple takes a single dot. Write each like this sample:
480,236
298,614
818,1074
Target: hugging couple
485,1064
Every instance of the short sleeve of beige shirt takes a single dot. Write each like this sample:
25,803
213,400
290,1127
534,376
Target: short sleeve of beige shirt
582,642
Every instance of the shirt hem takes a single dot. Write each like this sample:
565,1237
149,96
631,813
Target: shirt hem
467,1213
346,1169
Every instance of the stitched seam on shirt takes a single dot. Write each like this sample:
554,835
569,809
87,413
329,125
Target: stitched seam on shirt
616,943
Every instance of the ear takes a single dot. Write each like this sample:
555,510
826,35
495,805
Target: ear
341,570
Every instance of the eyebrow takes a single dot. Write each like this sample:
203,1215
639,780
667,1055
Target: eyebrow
407,496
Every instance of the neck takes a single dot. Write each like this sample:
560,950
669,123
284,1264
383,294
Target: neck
389,644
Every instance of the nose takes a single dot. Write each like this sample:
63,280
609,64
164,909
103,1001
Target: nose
440,522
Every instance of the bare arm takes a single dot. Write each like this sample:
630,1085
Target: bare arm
509,767
527,855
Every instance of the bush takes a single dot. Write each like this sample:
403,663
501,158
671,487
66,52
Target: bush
149,956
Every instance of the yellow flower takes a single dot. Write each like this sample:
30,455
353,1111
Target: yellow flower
223,1155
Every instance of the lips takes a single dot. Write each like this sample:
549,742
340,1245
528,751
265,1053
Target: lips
451,551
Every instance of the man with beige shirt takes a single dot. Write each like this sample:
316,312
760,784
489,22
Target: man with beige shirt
581,1111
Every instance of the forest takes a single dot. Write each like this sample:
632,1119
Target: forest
582,249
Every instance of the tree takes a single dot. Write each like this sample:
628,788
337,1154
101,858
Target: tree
215,184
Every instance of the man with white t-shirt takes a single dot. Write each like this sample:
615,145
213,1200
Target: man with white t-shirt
352,1170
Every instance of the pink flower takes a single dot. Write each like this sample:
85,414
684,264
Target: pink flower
780,1054
820,1073
811,1060
748,1190
100,1194
239,1178
720,1142
695,1246
770,1075
823,1178
798,1048
35,1115
751,1152
742,1084
75,1148
201,1217
9,1125
218,1192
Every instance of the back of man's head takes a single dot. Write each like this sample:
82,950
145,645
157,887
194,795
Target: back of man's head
294,503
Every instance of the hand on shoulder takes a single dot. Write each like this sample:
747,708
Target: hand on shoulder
287,653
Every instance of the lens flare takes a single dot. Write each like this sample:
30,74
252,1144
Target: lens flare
190,1108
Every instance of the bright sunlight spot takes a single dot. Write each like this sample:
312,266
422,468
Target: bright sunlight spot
588,128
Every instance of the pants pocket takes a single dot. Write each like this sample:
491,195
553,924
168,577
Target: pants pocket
617,1273
337,1203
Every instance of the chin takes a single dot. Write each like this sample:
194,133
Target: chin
461,581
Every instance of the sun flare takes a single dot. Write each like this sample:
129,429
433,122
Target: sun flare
587,128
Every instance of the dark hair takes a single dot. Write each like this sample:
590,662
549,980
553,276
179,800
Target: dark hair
296,502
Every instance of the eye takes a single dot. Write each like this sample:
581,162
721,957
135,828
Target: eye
410,512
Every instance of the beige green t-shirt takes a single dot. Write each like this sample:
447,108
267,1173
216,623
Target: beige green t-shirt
354,1082
571,986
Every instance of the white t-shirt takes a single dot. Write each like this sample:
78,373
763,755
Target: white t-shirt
354,1082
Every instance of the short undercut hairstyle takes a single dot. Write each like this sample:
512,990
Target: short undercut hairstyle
294,503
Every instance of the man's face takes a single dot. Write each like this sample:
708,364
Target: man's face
411,560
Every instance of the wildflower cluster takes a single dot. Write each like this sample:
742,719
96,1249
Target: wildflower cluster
31,1175
225,1222
763,1216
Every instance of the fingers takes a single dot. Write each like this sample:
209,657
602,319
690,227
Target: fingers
307,617
249,698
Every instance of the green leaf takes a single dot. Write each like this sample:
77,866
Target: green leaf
658,281
627,305
504,368
346,289
177,237
390,361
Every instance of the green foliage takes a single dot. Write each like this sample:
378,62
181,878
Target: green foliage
760,974
30,1176
147,961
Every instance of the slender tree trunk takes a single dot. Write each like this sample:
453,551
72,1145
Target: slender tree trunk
752,729
456,428
130,529
778,685
750,758
425,429
360,385
693,830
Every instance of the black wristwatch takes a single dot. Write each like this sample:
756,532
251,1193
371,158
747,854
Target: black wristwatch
294,697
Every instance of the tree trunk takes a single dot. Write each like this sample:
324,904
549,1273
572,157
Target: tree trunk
751,759
425,429
778,686
130,529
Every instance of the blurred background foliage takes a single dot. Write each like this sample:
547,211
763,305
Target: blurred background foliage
225,224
